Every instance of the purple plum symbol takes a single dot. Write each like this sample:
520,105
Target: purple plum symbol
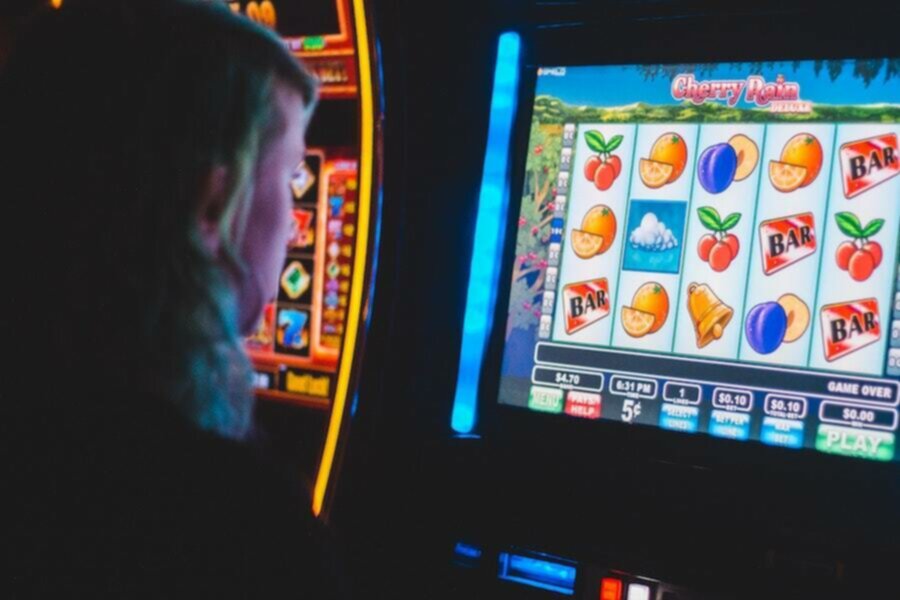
766,326
716,168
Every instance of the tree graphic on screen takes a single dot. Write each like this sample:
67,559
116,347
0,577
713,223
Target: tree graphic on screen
865,69
533,233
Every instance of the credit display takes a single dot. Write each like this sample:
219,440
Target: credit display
713,248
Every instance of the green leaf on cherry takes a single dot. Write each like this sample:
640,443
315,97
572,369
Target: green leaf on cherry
850,226
614,142
710,218
730,221
595,141
872,228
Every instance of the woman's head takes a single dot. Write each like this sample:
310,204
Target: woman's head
148,148
267,227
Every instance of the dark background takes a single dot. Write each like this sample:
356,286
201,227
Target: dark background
730,519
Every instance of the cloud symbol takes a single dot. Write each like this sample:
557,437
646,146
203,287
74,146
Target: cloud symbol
653,235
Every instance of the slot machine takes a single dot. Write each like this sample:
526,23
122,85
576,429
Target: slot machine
643,337
307,348
308,342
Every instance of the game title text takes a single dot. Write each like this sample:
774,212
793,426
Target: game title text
777,96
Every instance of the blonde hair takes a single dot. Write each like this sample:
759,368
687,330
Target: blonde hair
141,101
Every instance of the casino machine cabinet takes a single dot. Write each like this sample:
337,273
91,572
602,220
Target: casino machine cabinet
646,340
309,340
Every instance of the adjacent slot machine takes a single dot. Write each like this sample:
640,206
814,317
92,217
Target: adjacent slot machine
309,339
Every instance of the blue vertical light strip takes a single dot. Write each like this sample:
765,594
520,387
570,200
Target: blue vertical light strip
490,224
376,245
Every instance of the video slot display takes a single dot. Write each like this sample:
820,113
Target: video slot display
713,248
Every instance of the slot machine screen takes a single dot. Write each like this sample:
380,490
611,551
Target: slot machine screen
294,19
298,340
713,249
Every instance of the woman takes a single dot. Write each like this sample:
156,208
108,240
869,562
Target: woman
147,153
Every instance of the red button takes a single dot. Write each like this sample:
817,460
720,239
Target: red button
585,405
610,589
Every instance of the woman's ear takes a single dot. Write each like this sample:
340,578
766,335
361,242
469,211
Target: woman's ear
211,207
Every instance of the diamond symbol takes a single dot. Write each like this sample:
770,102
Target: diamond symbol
334,270
295,280
302,180
334,250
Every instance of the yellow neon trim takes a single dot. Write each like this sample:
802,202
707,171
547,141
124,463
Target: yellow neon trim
354,312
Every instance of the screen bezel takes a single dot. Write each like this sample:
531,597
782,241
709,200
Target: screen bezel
637,40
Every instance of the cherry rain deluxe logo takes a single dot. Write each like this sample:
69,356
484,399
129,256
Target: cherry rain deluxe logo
779,96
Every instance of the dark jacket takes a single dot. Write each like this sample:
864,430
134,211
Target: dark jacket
125,501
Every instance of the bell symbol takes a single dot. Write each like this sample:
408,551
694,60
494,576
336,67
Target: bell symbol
709,314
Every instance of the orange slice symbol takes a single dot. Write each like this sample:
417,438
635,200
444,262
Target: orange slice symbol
786,177
637,323
586,244
655,174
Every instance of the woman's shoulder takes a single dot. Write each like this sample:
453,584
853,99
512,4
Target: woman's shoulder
283,547
154,503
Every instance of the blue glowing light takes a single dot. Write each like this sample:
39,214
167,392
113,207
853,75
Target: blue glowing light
556,575
376,245
369,308
467,552
489,229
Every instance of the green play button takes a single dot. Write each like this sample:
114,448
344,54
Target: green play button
874,445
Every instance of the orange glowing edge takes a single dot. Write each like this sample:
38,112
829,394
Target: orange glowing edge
336,44
357,288
338,91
